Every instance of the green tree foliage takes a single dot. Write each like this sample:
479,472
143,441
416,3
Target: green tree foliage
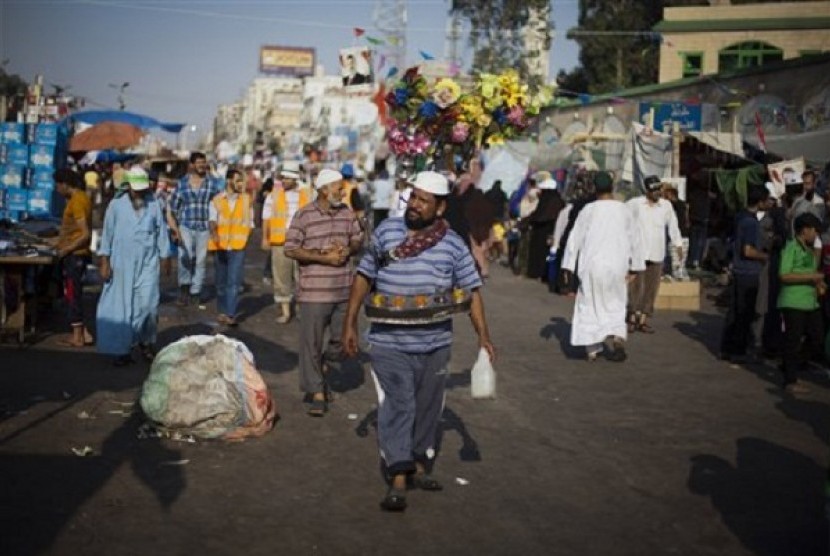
495,32
11,84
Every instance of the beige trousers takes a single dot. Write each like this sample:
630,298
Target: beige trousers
284,271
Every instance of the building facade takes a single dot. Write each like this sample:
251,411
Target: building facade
706,40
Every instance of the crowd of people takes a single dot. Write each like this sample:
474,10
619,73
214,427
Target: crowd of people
411,247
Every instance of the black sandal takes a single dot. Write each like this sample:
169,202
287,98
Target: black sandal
317,408
425,482
394,501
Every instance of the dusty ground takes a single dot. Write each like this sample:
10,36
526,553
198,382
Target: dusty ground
672,452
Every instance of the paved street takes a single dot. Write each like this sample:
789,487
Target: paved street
672,452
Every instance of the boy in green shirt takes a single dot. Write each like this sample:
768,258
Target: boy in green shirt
801,284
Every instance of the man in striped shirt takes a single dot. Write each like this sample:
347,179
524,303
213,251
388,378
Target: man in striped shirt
322,237
412,261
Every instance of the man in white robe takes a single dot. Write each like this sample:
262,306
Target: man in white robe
603,248
132,244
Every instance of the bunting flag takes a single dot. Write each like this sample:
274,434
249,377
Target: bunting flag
381,62
426,55
373,40
358,31
393,71
394,41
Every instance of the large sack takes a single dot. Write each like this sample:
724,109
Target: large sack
208,386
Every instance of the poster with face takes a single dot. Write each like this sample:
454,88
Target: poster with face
785,173
356,67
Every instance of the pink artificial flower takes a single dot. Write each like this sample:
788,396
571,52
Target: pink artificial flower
516,116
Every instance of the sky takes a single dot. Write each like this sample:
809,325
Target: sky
183,58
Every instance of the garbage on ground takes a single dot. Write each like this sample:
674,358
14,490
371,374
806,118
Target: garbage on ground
352,416
148,430
83,452
208,387
461,482
176,462
85,415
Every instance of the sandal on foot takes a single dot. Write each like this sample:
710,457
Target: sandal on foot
317,408
426,482
646,328
394,501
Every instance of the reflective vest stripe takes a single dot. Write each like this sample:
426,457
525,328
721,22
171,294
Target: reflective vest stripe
278,225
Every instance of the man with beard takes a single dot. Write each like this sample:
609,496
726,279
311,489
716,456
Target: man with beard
418,271
133,242
187,216
322,238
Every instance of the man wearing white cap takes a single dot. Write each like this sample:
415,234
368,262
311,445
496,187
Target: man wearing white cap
277,213
322,237
133,242
419,272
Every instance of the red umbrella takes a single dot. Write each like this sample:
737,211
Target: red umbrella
106,135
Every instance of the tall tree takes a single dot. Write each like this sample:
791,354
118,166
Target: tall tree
496,32
616,50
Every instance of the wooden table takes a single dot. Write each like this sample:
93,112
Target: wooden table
14,267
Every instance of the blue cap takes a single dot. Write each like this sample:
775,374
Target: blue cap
347,170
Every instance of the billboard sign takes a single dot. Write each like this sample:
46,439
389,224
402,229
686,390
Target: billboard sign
287,60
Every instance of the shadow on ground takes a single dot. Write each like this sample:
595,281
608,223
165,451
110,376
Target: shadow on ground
560,329
40,492
772,499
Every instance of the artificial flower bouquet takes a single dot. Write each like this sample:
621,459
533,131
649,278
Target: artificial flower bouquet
429,121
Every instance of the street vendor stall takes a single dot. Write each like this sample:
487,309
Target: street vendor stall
22,253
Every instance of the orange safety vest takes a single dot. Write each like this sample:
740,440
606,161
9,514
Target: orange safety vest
278,224
349,186
233,226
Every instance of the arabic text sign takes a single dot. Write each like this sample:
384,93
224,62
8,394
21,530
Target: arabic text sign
689,116
287,60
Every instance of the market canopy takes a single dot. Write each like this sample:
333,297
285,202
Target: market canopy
93,117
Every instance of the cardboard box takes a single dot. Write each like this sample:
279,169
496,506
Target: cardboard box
17,200
13,175
39,201
42,156
14,153
46,134
11,132
40,178
678,296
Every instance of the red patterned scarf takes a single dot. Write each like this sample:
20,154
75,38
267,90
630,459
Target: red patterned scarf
417,243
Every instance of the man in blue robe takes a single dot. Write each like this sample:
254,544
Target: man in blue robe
132,244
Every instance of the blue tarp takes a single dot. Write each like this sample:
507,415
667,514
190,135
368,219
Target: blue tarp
93,117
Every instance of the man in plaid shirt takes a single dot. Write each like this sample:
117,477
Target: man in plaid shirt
187,216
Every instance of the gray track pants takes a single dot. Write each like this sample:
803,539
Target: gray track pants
410,390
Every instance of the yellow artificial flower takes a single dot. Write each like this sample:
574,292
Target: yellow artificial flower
489,85
446,92
484,120
495,139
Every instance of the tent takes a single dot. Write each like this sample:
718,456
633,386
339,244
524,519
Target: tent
93,117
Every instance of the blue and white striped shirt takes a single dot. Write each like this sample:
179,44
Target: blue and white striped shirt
442,267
